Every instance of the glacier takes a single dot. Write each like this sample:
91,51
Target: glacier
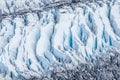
36,34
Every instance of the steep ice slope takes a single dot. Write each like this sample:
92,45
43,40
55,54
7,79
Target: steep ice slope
30,43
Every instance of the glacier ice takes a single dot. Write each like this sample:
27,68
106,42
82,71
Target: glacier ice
32,39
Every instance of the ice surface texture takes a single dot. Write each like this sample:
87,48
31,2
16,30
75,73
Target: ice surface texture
33,37
103,67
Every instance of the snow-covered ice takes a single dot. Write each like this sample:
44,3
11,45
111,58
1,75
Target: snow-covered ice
30,43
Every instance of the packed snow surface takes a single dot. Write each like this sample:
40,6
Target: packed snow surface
31,42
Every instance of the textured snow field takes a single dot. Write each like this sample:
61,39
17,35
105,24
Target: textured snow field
31,43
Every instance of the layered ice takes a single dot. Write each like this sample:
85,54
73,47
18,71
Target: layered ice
31,42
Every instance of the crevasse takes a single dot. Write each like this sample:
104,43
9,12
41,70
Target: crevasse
30,43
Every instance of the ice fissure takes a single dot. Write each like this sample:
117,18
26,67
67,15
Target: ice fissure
31,41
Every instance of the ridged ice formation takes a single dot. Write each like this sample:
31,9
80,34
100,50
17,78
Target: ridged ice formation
31,42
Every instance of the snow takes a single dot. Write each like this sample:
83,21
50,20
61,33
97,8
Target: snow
30,43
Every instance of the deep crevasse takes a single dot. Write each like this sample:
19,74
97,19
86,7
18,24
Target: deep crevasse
31,43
